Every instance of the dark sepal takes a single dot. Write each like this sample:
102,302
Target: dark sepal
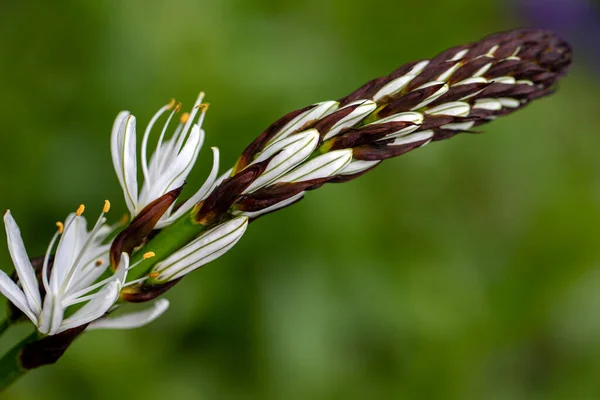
144,292
227,193
353,137
380,151
141,226
48,349
273,194
261,141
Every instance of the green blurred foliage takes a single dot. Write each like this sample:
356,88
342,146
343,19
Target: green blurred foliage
465,270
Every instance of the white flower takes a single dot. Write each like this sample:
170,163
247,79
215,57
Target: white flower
80,258
169,165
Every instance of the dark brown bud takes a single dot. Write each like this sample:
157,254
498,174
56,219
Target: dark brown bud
141,226
144,292
48,349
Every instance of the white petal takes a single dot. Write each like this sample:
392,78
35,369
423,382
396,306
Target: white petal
509,102
453,108
178,168
488,104
51,316
365,108
69,246
401,82
126,147
323,166
412,116
11,291
198,196
468,81
319,111
439,93
357,166
93,309
277,206
459,126
202,250
132,320
22,264
288,158
415,137
118,130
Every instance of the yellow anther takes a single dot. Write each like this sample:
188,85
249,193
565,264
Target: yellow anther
106,206
148,255
80,210
99,262
203,107
61,227
153,275
178,106
184,118
171,104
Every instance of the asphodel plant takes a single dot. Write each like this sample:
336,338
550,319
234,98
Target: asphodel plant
87,276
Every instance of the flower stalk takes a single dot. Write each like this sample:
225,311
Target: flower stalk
88,275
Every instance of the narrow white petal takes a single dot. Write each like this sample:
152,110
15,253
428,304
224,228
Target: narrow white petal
118,130
69,246
288,158
277,206
94,309
11,291
52,315
415,137
132,320
320,110
439,93
202,250
509,102
468,81
507,80
488,104
357,166
365,108
459,55
323,166
401,82
448,73
453,108
129,164
459,126
198,196
412,116
22,264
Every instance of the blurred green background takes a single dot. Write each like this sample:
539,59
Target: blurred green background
469,269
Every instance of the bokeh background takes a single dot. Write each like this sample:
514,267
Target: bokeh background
469,269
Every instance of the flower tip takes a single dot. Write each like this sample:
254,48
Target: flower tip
148,255
60,226
80,210
106,207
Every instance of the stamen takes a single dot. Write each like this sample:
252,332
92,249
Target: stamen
171,104
153,275
203,107
177,107
106,206
61,227
148,255
184,118
80,210
99,262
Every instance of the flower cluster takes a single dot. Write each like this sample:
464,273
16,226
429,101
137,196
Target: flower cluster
89,274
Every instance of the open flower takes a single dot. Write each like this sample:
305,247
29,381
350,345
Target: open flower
169,165
80,258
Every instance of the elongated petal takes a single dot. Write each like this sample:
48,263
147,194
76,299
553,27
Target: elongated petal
288,158
132,320
323,166
198,196
52,315
319,111
13,293
68,247
203,250
274,207
93,309
23,266
123,148
357,166
365,108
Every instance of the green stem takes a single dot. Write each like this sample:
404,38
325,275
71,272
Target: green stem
10,364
